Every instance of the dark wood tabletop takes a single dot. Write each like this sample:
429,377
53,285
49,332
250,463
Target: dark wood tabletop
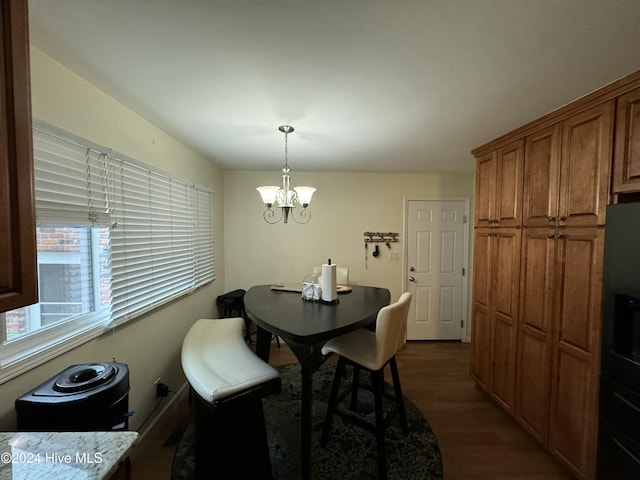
290,317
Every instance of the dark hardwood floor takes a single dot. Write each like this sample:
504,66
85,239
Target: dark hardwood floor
478,440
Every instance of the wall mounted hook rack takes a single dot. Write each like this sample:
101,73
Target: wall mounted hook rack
381,237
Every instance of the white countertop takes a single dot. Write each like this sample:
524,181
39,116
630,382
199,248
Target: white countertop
63,455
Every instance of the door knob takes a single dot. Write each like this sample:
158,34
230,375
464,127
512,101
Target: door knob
411,279
411,269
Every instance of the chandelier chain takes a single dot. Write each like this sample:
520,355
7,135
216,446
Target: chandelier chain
286,150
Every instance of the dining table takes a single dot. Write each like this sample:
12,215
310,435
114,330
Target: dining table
305,326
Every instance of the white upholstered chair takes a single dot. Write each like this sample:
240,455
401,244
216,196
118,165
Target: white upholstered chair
371,351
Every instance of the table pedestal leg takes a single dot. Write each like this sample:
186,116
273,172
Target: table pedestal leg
310,358
263,344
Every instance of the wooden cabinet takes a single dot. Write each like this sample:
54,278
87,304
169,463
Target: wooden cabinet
536,322
576,347
542,176
626,158
18,283
496,271
535,341
567,165
558,347
499,187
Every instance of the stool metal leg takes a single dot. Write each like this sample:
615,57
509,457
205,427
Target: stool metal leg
333,401
398,393
355,384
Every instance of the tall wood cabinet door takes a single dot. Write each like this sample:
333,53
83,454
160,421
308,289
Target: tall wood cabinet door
508,201
486,174
542,177
585,168
505,282
626,155
574,394
535,336
481,358
18,278
495,311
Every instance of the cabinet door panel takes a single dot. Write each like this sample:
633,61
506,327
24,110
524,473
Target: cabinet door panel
505,286
481,358
626,159
486,172
18,278
509,184
481,315
504,361
533,386
573,423
574,414
541,176
482,266
506,264
535,334
538,267
585,167
580,284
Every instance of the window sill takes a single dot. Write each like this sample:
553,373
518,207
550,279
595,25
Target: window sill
15,365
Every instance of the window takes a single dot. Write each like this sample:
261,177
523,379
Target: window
73,279
115,239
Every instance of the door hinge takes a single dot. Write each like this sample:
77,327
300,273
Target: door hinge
464,219
464,271
461,323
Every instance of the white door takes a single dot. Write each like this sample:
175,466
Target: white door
435,262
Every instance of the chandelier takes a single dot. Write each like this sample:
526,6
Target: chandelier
284,197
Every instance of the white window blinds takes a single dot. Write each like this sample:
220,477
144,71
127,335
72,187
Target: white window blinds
161,227
70,182
203,230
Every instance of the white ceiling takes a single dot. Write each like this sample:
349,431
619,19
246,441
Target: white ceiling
369,85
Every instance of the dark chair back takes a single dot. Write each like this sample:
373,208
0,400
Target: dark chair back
231,301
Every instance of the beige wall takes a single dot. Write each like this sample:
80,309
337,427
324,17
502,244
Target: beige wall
150,345
248,251
344,206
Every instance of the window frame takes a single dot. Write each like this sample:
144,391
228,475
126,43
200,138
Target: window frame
32,349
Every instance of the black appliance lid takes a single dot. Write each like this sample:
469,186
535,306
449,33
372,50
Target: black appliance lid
84,377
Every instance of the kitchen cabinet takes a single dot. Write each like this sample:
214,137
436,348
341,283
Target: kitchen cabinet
18,279
576,347
567,168
537,352
558,347
542,176
499,187
535,329
496,272
626,157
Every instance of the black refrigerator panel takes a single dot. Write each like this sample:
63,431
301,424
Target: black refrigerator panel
619,405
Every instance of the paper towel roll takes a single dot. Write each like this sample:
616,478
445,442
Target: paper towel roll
329,289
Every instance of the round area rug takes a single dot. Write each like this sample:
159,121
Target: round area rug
350,452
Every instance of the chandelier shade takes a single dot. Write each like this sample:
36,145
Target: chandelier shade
285,198
268,194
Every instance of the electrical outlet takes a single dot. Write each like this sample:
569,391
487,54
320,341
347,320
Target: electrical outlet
162,390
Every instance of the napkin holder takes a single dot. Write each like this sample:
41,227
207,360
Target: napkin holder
311,291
